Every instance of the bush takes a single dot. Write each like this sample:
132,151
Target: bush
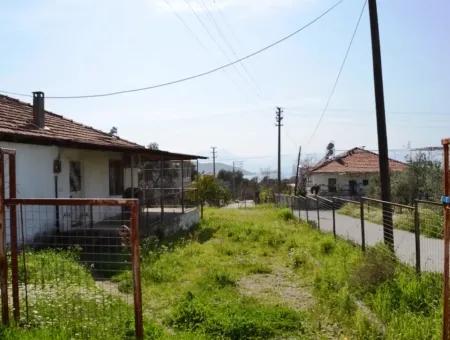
327,246
285,214
375,267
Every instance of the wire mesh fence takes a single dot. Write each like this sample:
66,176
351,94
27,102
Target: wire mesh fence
411,234
431,222
79,258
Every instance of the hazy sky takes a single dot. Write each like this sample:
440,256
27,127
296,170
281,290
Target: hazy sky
81,47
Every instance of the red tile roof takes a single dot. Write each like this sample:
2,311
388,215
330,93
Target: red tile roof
356,160
16,126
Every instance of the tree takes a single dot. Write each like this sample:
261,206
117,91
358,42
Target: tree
210,191
421,180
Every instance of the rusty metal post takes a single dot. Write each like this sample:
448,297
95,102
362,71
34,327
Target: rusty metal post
333,204
135,258
446,288
182,187
363,230
3,259
306,208
13,233
417,235
318,212
161,187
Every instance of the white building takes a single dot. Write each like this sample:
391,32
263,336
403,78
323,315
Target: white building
59,158
348,174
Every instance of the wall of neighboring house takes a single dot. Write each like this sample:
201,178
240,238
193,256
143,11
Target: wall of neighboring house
342,182
36,179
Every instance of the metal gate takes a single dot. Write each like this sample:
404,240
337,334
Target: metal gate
66,276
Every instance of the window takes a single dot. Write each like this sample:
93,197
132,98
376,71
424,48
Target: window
365,182
75,176
331,184
115,177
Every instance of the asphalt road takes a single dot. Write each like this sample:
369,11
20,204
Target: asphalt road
431,249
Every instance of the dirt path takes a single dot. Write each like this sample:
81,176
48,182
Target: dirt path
277,287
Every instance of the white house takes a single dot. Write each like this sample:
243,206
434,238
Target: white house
59,158
348,174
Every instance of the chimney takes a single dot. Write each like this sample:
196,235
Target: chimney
38,109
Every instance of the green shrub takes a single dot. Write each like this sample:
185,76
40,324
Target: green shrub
375,267
220,316
285,214
327,246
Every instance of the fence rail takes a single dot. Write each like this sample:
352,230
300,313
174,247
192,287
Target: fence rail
416,231
58,265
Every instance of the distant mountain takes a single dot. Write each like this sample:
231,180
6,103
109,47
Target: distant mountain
207,168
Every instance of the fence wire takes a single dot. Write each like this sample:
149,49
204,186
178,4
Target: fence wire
410,234
76,260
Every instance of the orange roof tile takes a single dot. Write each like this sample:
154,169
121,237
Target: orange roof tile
356,160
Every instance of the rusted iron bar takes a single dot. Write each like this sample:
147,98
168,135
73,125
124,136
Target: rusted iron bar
324,199
334,217
3,260
363,230
429,202
135,258
161,187
70,201
345,200
13,233
318,213
389,203
417,234
446,288
182,187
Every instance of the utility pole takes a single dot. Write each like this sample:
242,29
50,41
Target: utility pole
278,119
385,181
234,183
297,170
214,154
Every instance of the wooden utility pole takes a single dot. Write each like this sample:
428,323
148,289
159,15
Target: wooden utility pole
388,232
278,119
214,154
297,169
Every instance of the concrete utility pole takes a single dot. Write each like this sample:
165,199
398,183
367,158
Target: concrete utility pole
297,170
278,119
214,154
385,181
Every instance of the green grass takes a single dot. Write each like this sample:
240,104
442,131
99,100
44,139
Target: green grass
431,219
255,274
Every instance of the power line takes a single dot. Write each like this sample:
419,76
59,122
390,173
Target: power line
185,24
211,36
339,73
229,46
198,75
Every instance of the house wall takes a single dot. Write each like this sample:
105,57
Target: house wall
342,182
35,179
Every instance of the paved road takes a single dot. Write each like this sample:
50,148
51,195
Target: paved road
431,249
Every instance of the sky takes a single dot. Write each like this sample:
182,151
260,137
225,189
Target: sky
77,47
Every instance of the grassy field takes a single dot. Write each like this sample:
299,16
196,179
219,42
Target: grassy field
431,219
258,273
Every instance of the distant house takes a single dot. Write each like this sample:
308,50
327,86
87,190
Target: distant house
348,174
59,158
